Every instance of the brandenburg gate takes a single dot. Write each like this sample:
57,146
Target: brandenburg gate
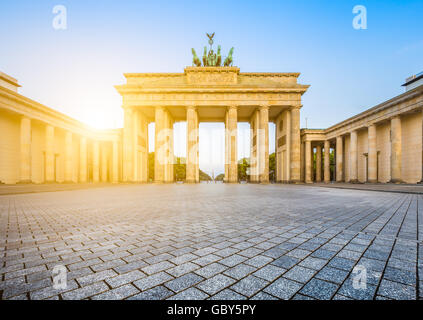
211,93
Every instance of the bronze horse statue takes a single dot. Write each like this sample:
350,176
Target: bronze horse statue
228,61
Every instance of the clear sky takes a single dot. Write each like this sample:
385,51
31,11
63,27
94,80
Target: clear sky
74,70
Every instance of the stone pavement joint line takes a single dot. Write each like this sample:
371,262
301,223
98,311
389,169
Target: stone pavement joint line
212,241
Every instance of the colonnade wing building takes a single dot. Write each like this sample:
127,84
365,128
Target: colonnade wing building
41,145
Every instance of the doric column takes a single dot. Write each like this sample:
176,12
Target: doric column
68,157
254,178
143,136
396,150
227,153
308,162
295,145
159,160
192,145
302,157
135,151
115,165
168,148
233,152
327,161
339,159
25,161
372,154
96,162
49,158
263,154
127,145
318,163
353,157
83,160
104,163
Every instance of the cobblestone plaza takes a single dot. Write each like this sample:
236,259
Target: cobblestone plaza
212,241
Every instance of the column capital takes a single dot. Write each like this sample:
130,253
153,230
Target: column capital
264,106
232,106
191,107
396,117
296,107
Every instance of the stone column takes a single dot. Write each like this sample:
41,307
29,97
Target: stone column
96,162
308,162
254,136
302,157
159,160
127,145
49,166
83,160
396,149
25,160
353,157
104,163
115,170
192,145
68,158
135,151
263,154
339,159
287,168
295,145
168,148
233,152
318,163
372,154
327,162
227,153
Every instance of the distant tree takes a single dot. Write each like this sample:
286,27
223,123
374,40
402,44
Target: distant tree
179,169
243,165
220,177
204,176
272,167
151,167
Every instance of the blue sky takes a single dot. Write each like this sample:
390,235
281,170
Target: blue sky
74,70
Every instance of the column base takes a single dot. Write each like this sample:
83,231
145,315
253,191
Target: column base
295,182
28,181
398,181
354,181
191,181
372,181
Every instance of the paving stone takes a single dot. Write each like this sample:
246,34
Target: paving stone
152,281
215,284
348,290
233,260
269,272
258,261
401,276
156,293
319,289
95,277
117,293
228,294
190,294
182,269
263,296
183,282
155,268
283,288
397,291
85,292
240,271
299,274
126,278
342,263
123,268
332,275
249,285
285,262
211,270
